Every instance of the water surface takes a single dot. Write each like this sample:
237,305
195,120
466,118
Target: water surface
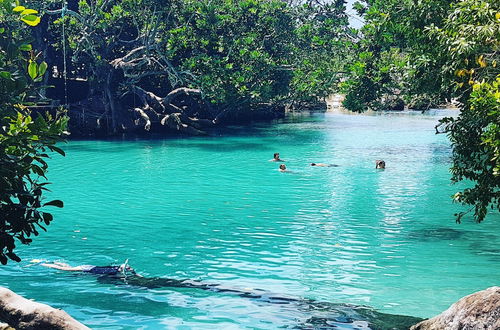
216,210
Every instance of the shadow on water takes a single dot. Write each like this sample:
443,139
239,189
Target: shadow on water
485,246
479,243
319,315
256,129
209,145
437,234
218,146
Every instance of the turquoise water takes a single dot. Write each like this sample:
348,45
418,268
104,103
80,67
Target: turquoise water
216,210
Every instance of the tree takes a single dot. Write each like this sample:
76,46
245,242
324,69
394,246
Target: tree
24,139
396,59
320,51
470,38
191,64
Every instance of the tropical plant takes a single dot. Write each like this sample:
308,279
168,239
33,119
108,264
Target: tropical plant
396,58
470,38
25,140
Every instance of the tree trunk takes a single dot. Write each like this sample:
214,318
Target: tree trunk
111,103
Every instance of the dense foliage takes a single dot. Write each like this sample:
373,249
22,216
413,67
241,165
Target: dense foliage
397,62
470,38
24,139
188,65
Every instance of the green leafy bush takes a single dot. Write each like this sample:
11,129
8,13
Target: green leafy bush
25,141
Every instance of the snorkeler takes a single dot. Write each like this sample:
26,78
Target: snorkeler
276,158
98,270
323,165
379,164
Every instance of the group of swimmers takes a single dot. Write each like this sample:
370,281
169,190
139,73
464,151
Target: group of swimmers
379,164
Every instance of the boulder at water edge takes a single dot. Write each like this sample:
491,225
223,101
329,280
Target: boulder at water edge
21,313
480,310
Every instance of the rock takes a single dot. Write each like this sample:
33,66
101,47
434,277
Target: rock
21,313
480,310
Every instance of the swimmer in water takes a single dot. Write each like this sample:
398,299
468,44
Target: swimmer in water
323,165
276,158
380,164
91,269
283,168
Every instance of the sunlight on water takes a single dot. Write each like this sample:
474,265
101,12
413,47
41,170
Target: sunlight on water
216,210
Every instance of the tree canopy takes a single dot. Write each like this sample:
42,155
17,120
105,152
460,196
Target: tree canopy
188,65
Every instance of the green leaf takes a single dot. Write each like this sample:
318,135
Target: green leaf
13,256
37,170
47,218
55,202
19,9
31,20
5,75
29,12
58,150
32,69
42,68
2,30
25,47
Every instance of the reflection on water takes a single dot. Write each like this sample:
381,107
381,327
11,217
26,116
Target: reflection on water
215,210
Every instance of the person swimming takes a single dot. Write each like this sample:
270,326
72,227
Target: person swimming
379,164
323,165
282,168
97,270
111,275
276,158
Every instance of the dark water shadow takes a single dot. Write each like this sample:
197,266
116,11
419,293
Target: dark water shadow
486,245
219,146
480,244
252,129
437,234
321,315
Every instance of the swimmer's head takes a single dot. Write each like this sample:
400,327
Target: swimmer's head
126,268
123,267
276,155
313,164
379,164
282,167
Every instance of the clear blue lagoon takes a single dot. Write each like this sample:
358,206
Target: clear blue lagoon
214,209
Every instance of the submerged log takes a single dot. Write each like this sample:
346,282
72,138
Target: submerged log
21,313
480,310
